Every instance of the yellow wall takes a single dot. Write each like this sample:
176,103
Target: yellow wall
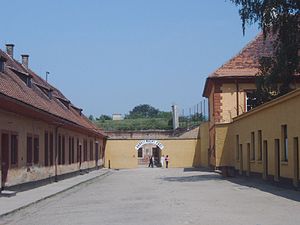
21,126
204,144
182,153
268,118
229,106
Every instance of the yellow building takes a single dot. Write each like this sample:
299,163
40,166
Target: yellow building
43,136
263,140
133,149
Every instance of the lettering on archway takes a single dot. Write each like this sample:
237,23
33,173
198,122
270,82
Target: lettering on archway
149,142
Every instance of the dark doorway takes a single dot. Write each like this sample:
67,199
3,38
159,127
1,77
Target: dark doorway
96,153
156,153
277,160
265,160
4,158
296,161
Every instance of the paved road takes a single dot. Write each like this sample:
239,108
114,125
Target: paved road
166,197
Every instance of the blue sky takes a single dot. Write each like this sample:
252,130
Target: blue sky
108,56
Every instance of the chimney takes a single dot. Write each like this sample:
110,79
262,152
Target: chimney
175,117
25,60
10,50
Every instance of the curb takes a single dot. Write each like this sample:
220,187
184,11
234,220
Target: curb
105,174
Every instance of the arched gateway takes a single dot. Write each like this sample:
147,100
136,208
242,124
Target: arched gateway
147,148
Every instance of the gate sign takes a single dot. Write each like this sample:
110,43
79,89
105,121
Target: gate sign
151,142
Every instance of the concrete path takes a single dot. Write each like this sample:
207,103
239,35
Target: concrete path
157,196
29,197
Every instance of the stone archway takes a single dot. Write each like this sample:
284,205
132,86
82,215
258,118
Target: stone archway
147,148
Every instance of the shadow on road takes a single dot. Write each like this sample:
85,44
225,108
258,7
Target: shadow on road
241,183
252,182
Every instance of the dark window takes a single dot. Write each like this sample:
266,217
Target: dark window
36,149
237,144
29,150
14,149
73,151
70,150
63,154
91,150
51,149
260,144
252,146
46,142
285,147
78,151
59,150
140,153
85,150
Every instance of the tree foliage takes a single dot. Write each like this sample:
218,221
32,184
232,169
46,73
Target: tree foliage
104,117
279,19
143,111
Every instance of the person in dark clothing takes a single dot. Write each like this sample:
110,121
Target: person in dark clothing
151,162
167,161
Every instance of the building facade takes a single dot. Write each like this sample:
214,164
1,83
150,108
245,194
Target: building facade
43,136
227,89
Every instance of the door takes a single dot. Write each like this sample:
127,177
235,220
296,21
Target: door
4,158
296,162
277,160
265,160
96,153
156,154
248,159
241,159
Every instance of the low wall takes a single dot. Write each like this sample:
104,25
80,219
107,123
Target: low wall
182,153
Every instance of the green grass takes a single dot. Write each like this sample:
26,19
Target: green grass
135,124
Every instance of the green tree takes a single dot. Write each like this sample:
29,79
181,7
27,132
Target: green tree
279,19
104,117
91,118
143,111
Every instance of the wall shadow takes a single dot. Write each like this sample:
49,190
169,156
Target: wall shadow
282,190
239,182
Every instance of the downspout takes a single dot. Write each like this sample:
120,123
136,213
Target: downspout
237,97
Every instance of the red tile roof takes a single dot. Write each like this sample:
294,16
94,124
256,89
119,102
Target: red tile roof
245,65
246,62
11,85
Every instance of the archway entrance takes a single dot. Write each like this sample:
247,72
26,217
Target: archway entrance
147,148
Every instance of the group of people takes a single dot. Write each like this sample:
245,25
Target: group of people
163,160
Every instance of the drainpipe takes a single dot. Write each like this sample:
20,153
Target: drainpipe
237,97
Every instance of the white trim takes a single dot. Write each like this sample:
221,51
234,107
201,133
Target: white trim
146,142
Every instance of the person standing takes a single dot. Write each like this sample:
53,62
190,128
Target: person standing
153,160
167,159
162,161
150,162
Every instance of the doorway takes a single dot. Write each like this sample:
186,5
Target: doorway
4,158
248,160
296,162
277,160
265,160
156,152
241,159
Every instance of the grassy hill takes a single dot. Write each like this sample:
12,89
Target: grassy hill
136,124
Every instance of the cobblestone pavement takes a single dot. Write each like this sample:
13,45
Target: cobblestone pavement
157,196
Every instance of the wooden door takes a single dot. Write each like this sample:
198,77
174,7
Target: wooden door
4,158
296,162
265,160
277,160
